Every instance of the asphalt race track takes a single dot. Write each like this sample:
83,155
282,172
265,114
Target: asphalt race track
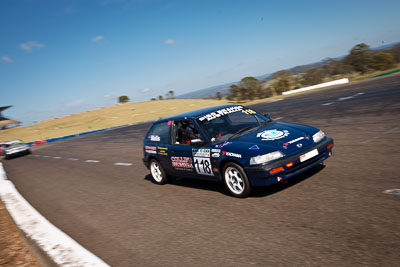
337,214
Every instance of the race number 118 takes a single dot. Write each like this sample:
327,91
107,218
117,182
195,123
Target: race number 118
203,166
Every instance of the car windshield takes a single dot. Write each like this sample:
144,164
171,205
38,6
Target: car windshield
228,123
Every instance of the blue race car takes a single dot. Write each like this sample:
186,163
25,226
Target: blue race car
233,144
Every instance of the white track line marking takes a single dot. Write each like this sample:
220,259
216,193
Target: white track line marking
46,156
92,161
57,157
61,248
327,104
392,192
123,164
72,159
36,156
278,118
345,98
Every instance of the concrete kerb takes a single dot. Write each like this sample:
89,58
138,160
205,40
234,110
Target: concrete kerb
60,248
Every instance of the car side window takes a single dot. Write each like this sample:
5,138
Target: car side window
185,131
160,133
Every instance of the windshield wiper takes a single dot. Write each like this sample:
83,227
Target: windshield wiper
240,131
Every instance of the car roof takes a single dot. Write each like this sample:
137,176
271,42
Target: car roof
193,114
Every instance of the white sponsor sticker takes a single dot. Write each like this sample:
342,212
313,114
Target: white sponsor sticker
203,166
216,155
275,134
214,150
201,152
232,154
221,112
155,138
151,151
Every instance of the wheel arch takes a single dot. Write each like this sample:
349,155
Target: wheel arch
223,163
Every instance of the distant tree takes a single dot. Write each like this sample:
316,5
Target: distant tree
395,51
281,73
334,67
234,92
359,57
170,95
382,61
250,88
218,95
313,76
160,97
153,99
267,92
123,99
281,85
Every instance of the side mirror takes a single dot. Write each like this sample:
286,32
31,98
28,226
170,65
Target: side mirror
268,116
197,142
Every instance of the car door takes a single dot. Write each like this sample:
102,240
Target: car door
158,144
190,153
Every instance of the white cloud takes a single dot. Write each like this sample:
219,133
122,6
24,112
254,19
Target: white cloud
30,45
108,96
6,59
145,90
75,103
170,42
97,38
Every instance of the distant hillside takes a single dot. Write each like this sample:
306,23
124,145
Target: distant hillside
210,92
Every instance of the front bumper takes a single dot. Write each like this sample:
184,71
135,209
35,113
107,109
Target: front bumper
260,175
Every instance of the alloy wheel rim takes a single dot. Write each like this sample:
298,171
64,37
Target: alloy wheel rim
156,172
234,180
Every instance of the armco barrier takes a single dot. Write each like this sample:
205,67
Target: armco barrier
321,85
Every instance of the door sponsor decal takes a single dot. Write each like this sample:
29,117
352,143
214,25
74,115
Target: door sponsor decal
163,151
215,150
182,163
150,149
203,166
215,155
201,152
275,134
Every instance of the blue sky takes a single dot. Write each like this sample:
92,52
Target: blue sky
62,57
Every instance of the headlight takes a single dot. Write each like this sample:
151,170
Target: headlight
318,136
266,157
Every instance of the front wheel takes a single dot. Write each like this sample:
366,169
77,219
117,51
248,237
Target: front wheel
157,171
236,180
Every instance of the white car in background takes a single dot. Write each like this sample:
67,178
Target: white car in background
15,148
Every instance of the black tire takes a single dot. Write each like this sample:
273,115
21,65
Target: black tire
236,181
157,172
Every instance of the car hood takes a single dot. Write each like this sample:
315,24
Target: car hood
288,138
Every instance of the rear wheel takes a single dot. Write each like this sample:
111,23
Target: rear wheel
236,180
157,171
